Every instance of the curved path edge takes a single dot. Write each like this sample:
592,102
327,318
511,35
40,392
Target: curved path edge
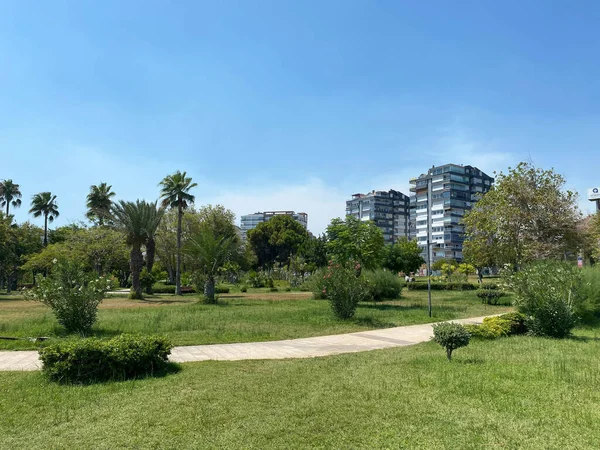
360,341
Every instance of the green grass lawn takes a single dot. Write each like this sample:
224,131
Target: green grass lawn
238,318
517,392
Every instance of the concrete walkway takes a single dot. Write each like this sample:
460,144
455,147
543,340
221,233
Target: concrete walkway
361,341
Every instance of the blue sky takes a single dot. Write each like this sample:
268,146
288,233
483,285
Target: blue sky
292,105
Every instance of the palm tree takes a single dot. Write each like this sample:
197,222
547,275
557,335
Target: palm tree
44,204
211,251
137,220
99,203
9,195
175,193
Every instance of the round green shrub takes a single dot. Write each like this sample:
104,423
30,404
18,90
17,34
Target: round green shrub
451,336
517,321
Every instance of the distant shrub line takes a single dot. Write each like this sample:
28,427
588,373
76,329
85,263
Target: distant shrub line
442,286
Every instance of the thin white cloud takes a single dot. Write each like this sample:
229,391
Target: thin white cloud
320,201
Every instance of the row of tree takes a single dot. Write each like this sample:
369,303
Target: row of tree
526,216
128,237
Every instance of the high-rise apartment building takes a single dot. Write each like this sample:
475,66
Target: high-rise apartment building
250,221
453,190
389,210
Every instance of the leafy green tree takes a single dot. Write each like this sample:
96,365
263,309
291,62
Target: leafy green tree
10,194
64,233
5,247
220,219
403,256
16,243
135,220
314,252
440,263
589,232
99,203
166,239
277,240
466,269
355,240
98,249
526,216
175,193
44,204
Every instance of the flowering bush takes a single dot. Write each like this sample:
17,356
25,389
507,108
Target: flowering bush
73,295
344,288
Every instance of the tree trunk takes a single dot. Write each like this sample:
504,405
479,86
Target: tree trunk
178,270
150,252
136,263
45,230
8,283
209,290
449,354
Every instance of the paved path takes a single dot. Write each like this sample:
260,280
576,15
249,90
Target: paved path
294,348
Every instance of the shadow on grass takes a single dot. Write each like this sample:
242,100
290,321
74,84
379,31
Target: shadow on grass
388,307
372,322
11,298
170,368
584,338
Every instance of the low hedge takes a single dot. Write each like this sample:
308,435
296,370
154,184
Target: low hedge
170,289
494,327
490,297
93,360
442,286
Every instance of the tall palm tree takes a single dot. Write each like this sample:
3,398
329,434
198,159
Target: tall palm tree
44,204
137,220
175,193
9,195
99,203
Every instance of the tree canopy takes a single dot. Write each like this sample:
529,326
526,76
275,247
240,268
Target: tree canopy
403,256
277,240
213,243
99,203
527,215
10,195
355,240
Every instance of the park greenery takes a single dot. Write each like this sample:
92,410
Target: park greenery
527,218
284,283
